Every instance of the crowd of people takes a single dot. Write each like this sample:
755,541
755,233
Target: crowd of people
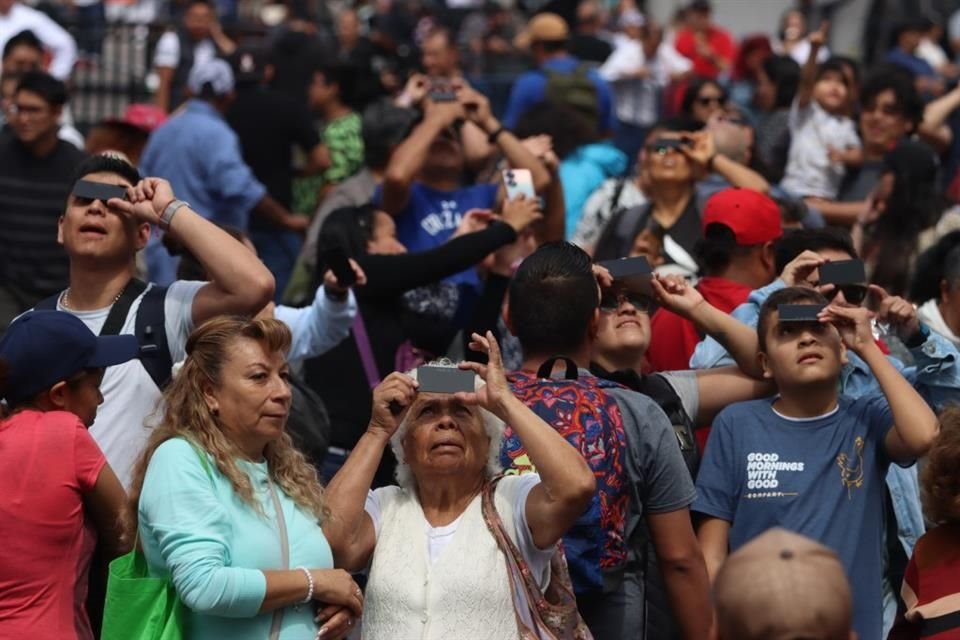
335,341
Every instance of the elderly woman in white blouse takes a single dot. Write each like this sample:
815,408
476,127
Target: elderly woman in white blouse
435,569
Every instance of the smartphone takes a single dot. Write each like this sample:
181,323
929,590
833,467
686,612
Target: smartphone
518,182
98,191
442,92
434,379
336,260
843,272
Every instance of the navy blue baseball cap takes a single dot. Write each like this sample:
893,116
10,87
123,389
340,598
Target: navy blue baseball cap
42,348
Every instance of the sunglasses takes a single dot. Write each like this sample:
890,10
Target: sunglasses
664,145
610,302
852,293
706,101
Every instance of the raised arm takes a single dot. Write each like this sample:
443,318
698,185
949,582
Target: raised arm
566,481
808,74
239,282
914,424
408,158
349,529
737,338
477,109
703,151
934,128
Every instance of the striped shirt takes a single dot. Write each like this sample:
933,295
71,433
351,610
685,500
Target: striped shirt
931,588
33,194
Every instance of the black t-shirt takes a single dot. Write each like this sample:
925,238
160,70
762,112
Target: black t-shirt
590,48
269,124
33,193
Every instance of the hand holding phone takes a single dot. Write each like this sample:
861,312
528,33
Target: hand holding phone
518,182
335,258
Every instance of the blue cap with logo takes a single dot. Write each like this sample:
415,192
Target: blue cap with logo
42,348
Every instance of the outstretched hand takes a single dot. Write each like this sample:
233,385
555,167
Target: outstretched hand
676,294
495,394
853,323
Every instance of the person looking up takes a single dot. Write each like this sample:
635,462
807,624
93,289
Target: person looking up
439,55
101,240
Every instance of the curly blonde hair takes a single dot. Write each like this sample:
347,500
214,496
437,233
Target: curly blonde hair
940,477
186,415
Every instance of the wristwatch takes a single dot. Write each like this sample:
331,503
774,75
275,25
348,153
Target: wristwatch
168,212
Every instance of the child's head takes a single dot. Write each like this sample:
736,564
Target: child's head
831,89
798,353
649,243
940,477
51,361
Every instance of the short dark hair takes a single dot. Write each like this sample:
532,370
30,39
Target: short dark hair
718,248
693,90
106,163
345,76
784,73
349,228
832,65
889,77
53,91
795,242
384,127
790,295
851,63
553,297
25,38
939,263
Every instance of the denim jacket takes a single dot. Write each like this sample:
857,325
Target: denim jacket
934,374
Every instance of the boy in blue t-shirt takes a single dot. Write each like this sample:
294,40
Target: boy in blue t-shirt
809,459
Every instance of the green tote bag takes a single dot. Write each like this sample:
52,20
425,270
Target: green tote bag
139,606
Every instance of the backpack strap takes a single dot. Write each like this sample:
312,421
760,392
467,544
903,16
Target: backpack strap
547,368
151,331
121,308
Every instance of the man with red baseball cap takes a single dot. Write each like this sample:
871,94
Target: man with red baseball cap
740,227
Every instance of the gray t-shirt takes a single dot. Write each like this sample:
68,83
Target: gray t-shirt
658,482
647,603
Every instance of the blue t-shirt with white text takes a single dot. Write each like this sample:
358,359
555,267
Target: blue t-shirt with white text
821,477
431,217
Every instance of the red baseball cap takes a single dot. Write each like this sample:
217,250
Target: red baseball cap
145,117
752,217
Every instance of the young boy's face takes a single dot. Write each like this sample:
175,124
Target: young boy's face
830,92
802,353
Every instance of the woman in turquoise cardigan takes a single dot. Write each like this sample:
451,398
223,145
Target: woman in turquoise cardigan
208,485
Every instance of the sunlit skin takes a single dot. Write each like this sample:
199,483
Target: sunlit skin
81,396
802,353
252,401
830,92
623,336
882,123
93,230
446,436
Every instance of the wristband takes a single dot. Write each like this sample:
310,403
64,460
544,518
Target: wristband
168,212
492,138
309,584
